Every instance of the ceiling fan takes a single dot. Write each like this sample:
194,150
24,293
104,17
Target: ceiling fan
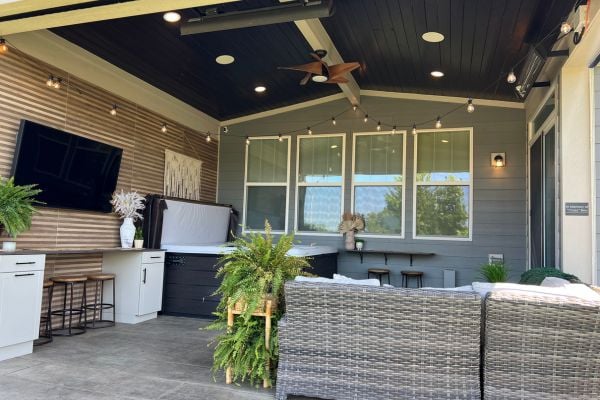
320,72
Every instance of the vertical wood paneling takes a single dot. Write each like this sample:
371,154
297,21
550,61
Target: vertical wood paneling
83,109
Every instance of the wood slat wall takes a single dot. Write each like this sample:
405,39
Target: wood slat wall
83,109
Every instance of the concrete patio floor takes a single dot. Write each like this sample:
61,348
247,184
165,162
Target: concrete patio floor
166,358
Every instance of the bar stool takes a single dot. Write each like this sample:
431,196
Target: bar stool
69,282
98,280
379,273
46,318
406,275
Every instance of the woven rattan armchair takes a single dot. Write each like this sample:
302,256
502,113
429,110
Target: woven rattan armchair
358,342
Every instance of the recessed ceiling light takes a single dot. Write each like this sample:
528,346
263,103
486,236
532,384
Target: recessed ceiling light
171,16
437,74
432,37
225,59
260,89
319,78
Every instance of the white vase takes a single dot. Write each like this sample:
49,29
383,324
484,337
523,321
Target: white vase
138,243
9,246
350,240
127,233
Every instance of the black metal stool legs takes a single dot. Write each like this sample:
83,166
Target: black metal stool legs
46,336
99,307
71,311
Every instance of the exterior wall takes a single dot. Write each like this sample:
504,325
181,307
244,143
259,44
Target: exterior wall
499,222
596,151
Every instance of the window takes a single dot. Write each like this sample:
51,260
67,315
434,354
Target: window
320,187
443,194
266,183
378,182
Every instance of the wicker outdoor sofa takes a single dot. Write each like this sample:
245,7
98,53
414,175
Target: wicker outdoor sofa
541,347
362,342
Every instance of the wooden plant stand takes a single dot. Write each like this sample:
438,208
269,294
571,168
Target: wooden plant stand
267,314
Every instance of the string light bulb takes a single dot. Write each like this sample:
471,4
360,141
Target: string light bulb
470,106
366,119
354,107
333,121
565,28
50,81
3,45
225,129
438,123
208,138
309,131
378,126
280,138
414,129
56,84
247,141
113,110
394,130
511,78
163,128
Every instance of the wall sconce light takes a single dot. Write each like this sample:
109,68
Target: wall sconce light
498,160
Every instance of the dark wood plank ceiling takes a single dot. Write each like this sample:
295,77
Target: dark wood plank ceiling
483,40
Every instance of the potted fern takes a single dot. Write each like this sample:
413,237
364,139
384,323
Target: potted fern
255,271
16,209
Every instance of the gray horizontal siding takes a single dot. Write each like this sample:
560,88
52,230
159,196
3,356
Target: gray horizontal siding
597,165
499,208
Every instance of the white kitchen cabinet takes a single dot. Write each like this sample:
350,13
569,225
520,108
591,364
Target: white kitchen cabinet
139,284
21,285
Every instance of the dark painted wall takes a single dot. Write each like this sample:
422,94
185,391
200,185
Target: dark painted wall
499,213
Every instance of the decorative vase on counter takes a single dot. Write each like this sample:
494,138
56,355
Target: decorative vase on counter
350,240
127,233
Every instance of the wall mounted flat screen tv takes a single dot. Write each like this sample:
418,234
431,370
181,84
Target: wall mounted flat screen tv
72,171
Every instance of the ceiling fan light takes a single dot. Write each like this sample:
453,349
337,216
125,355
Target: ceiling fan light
319,78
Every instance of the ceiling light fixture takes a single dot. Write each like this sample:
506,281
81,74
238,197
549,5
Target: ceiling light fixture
319,78
260,89
438,123
432,37
225,59
511,78
113,110
470,106
172,16
437,74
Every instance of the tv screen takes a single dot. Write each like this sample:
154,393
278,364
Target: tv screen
72,171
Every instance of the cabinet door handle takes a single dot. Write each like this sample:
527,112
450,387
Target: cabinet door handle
25,263
154,256
19,275
144,280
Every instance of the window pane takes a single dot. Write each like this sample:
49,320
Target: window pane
378,158
443,156
320,160
381,206
266,203
443,211
544,112
319,208
267,160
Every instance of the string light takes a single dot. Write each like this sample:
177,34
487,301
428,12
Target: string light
163,128
50,81
438,123
280,137
309,131
57,83
354,107
366,119
414,129
3,45
333,120
470,106
565,28
225,129
247,141
394,130
511,78
208,139
378,125
113,110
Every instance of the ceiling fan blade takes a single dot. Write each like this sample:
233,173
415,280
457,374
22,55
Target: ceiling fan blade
316,57
313,67
304,80
342,69
339,79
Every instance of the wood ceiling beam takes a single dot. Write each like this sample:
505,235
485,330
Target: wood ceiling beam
100,13
318,38
27,6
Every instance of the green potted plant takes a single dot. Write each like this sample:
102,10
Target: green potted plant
495,272
16,209
138,239
359,243
256,270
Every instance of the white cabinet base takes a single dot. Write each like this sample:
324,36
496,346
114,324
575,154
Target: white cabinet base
16,350
130,318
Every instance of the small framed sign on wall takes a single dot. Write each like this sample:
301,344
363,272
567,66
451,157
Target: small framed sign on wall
183,176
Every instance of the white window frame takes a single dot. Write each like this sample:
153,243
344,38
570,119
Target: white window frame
402,183
267,184
469,183
342,185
